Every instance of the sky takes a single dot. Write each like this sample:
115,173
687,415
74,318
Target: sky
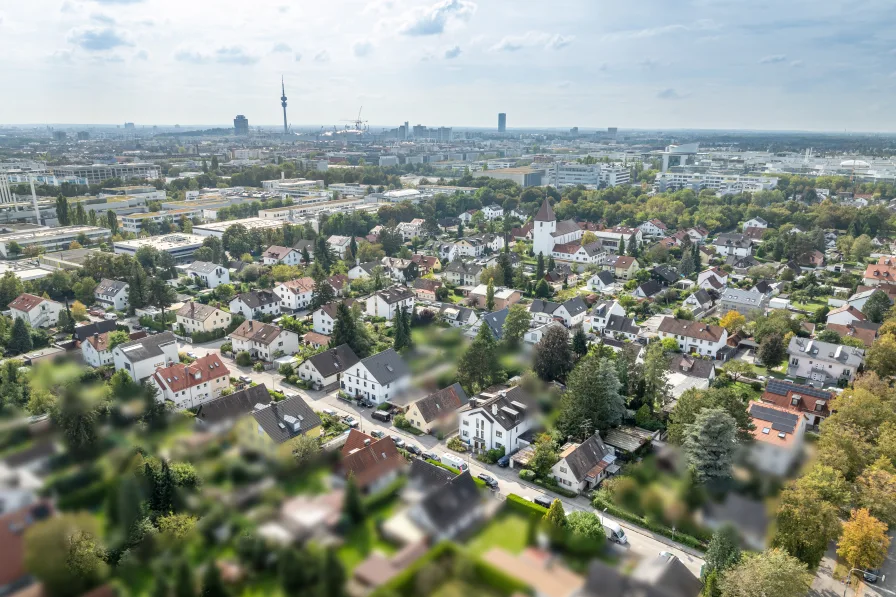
713,64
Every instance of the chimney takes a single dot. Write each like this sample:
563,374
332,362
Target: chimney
495,409
366,442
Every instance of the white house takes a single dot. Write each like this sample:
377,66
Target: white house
340,244
140,358
386,303
694,336
534,335
255,304
462,273
719,275
210,275
756,222
733,245
196,317
823,363
363,270
779,436
654,229
295,295
603,282
36,311
188,386
493,212
263,340
496,419
325,318
95,350
845,315
571,312
325,369
582,466
378,378
596,321
282,255
112,293
699,300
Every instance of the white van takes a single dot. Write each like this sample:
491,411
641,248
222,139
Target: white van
454,461
614,532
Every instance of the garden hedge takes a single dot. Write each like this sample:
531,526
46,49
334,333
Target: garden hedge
524,506
660,529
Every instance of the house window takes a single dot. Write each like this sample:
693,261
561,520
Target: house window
498,434
562,469
466,423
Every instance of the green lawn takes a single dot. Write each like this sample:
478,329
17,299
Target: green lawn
459,588
507,530
365,539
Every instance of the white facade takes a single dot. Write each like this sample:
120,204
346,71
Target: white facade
210,277
201,387
36,311
492,212
597,319
239,305
117,298
379,306
131,358
358,381
323,323
483,432
96,357
295,295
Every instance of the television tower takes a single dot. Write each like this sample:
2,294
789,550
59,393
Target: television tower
283,103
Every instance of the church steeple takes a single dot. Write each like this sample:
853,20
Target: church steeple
545,213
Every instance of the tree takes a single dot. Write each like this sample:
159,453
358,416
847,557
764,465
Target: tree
20,340
212,585
332,575
490,295
544,456
78,311
516,324
243,359
322,294
62,212
579,342
864,542
733,322
686,265
877,490
542,289
554,521
184,584
621,247
305,448
881,357
122,385
161,295
724,548
586,532
553,357
539,267
296,570
478,368
346,330
62,553
655,373
876,307
736,369
592,400
772,351
117,337
806,524
353,505
709,444
770,573
861,248
10,288
401,334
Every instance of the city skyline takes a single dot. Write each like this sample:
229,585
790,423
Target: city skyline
700,64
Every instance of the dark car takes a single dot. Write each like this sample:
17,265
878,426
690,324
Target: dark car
871,575
504,461
489,481
542,501
431,456
413,449
398,441
377,434
365,403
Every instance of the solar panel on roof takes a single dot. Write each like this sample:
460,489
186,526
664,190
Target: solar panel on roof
780,421
782,387
783,427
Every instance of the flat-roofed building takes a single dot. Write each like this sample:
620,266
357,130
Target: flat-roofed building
51,239
218,228
180,245
98,173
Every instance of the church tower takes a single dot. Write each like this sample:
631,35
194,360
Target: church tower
544,227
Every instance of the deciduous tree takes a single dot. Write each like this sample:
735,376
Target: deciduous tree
772,572
553,356
515,325
864,542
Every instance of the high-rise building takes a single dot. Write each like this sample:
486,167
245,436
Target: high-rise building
240,125
283,103
502,122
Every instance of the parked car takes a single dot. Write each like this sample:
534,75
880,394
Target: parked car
431,456
377,434
542,501
871,575
329,411
504,461
614,532
413,449
110,316
365,403
489,481
245,379
137,328
398,441
350,421
381,415
192,355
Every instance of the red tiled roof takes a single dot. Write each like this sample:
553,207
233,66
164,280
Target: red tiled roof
99,341
179,377
300,285
883,273
369,462
25,302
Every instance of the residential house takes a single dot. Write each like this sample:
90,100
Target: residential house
457,316
579,253
859,299
571,312
822,363
625,267
437,411
400,270
363,270
112,294
36,311
695,336
85,330
741,265
878,274
378,377
195,317
814,403
732,244
742,301
621,328
535,334
778,438
256,303
665,275
426,288
811,259
140,358
714,273
325,369
295,295
271,427
664,575
596,321
698,301
866,331
462,273
845,315
339,283
698,234
305,246
467,216
450,511
14,527
210,275
413,229
340,244
496,419
756,222
95,350
277,255
374,463
647,290
263,341
386,303
687,372
220,414
493,212
654,229
602,281
188,386
426,264
324,319
755,234
582,466
504,297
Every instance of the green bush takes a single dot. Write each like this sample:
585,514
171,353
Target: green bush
384,406
547,484
227,347
456,444
524,506
527,475
258,367
491,456
85,498
385,495
243,359
600,503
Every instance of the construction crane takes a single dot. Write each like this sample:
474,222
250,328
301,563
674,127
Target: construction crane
360,125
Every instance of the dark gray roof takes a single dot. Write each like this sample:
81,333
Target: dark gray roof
111,287
743,297
605,276
463,267
565,227
424,476
204,267
197,311
665,273
284,420
545,213
625,325
741,262
495,322
733,239
670,574
575,305
396,294
234,406
543,306
450,502
586,456
825,351
508,413
386,366
83,332
444,401
258,298
305,244
146,348
650,288
334,360
782,387
692,367
702,296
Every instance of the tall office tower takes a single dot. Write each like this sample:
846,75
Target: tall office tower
241,125
502,122
283,103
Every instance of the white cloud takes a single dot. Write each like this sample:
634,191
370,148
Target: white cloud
101,18
98,40
64,56
282,47
190,55
699,25
532,39
362,48
234,55
668,94
323,57
141,55
452,53
560,41
773,59
434,20
797,64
